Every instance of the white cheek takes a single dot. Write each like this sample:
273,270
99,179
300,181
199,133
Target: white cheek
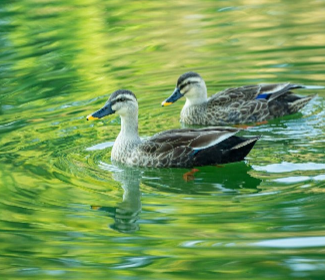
185,90
191,92
117,108
120,110
123,110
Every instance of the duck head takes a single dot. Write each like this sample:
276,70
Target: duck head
123,102
191,86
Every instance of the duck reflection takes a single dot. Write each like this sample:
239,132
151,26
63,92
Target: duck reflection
232,178
126,213
229,178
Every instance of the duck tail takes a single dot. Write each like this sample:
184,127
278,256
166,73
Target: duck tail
310,87
232,150
298,104
242,149
246,142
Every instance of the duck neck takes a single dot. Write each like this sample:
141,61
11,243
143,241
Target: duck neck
195,102
198,96
129,130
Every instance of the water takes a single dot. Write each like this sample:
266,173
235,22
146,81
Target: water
66,212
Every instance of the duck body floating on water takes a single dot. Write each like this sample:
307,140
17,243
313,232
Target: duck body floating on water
240,105
171,148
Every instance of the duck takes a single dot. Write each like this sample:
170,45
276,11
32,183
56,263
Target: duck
183,148
240,105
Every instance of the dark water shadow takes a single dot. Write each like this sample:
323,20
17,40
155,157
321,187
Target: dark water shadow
227,179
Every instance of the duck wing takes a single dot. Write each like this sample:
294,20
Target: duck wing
194,138
267,92
195,147
241,112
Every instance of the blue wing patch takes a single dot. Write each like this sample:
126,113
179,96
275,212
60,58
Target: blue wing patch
263,96
195,152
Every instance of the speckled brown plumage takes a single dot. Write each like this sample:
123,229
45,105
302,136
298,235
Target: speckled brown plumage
171,148
246,104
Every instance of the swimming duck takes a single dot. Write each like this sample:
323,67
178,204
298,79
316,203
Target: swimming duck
246,104
171,148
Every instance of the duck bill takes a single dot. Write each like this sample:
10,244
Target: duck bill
105,111
173,98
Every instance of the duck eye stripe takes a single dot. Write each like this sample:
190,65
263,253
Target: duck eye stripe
120,99
187,83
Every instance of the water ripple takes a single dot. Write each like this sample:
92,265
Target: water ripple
296,242
289,167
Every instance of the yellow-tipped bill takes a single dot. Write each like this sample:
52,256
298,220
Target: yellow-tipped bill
173,98
164,103
105,111
91,118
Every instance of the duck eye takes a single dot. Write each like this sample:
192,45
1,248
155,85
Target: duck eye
185,85
122,99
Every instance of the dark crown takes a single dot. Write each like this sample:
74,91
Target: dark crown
187,75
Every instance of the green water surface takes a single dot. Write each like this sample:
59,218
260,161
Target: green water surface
67,212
